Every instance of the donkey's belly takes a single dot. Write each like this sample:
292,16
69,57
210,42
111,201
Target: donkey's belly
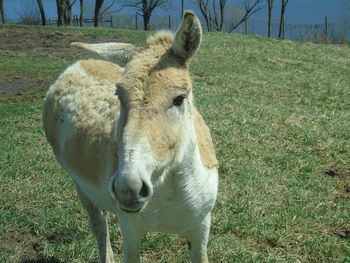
91,163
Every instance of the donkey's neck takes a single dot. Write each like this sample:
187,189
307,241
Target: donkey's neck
186,191
191,163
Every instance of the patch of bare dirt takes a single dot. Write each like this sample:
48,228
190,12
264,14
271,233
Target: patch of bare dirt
17,86
44,43
24,241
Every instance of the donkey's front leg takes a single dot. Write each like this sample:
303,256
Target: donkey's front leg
99,227
132,237
198,241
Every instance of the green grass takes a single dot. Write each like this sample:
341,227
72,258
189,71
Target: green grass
279,113
41,67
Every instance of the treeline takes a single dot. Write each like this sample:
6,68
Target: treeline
214,12
143,8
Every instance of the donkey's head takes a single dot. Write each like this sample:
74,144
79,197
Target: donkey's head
155,126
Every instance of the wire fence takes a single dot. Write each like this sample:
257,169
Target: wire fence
324,32
132,22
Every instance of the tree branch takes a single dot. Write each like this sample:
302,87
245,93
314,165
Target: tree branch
108,7
249,11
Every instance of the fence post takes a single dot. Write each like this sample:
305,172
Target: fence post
136,21
169,22
111,21
101,20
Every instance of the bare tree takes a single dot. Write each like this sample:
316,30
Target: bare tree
29,14
98,6
145,8
283,10
61,7
213,12
217,18
2,12
105,9
250,7
203,6
64,12
269,7
98,12
42,12
81,15
68,18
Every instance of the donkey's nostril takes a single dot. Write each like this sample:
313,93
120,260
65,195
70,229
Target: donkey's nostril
144,190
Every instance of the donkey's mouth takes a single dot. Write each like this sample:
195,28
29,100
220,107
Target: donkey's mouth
111,189
129,211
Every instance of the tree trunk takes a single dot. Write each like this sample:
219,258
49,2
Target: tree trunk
98,6
281,27
270,6
81,13
217,16
208,24
68,13
65,18
2,12
146,19
146,15
42,12
60,12
182,8
222,14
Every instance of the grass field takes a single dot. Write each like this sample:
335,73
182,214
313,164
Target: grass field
279,113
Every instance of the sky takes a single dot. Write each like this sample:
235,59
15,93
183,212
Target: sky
298,11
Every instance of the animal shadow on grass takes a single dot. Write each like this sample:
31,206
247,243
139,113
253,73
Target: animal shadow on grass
42,260
56,237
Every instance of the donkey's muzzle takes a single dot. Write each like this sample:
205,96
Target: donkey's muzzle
131,193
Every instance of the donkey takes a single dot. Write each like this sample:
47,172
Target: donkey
134,143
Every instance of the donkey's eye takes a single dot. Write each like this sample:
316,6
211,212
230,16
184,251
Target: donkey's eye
117,91
179,100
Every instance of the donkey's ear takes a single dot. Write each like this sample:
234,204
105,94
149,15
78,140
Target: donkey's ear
188,36
119,53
